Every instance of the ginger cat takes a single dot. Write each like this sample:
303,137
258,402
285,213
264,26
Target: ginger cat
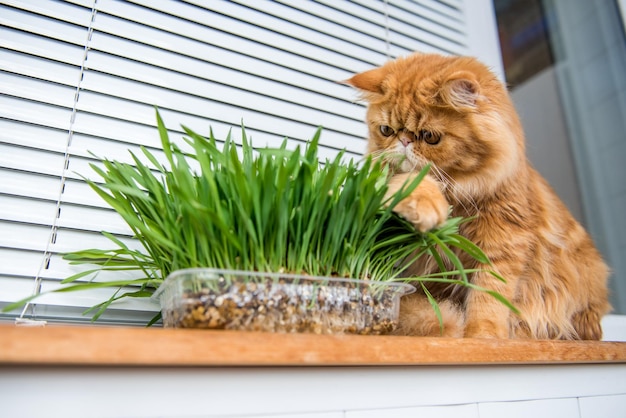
453,113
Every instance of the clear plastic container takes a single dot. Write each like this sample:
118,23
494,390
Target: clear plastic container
254,301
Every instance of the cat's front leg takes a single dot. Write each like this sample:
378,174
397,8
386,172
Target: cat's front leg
487,317
426,207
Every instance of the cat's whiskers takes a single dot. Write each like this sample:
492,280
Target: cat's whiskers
454,191
447,182
416,163
386,157
448,186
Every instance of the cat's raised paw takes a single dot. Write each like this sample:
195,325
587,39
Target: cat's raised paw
426,207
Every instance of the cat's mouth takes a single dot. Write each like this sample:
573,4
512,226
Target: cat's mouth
407,161
406,166
401,159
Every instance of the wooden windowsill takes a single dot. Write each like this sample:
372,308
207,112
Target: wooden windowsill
74,345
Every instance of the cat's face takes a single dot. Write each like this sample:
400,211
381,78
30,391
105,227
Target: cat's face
449,112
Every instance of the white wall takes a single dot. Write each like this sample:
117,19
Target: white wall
588,40
482,34
538,103
536,391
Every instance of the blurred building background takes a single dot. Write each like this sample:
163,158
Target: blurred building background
565,63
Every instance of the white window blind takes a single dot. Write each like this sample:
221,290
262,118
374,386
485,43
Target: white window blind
80,77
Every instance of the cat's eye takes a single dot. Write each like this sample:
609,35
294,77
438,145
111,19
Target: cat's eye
386,130
429,137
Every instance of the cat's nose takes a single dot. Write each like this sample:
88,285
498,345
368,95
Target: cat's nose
406,138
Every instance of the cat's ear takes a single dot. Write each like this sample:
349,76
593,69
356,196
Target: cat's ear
369,81
460,91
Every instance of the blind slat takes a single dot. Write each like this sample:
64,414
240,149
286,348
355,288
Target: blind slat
430,26
26,184
36,67
330,22
188,71
40,46
23,264
213,46
419,40
23,236
31,160
220,30
207,99
34,112
86,218
78,13
33,136
296,33
21,209
44,26
434,11
37,90
144,114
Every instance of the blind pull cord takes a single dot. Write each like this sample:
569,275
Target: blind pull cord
387,31
45,263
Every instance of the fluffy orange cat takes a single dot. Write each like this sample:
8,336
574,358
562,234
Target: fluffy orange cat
453,113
